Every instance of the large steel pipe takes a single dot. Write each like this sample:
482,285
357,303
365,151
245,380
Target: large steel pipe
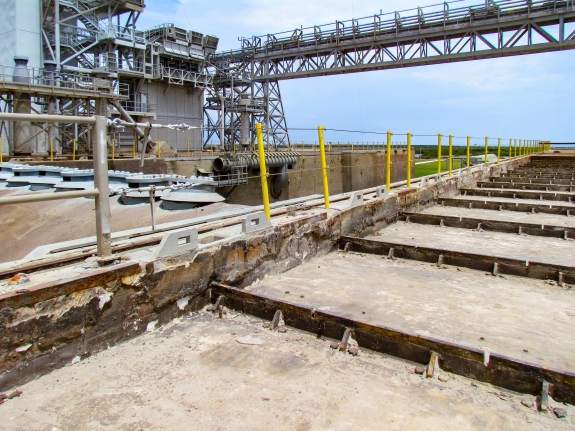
224,165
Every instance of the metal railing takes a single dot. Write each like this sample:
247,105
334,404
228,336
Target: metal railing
131,106
101,190
394,23
53,79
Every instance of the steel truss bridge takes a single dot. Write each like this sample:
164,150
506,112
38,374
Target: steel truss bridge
422,36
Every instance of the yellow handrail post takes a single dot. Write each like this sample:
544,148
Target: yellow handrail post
323,166
51,149
74,149
388,163
510,147
409,160
113,148
263,170
486,149
188,145
498,150
1,151
520,147
450,161
468,151
439,137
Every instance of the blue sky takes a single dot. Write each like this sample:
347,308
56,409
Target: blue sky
525,97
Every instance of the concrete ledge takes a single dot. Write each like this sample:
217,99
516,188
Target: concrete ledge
521,268
467,361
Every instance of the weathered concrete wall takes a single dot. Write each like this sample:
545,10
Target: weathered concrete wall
48,325
347,172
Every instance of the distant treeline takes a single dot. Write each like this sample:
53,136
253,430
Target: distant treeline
430,151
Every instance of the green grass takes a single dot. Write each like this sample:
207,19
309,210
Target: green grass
431,168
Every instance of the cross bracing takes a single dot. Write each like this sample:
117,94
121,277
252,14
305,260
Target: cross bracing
420,37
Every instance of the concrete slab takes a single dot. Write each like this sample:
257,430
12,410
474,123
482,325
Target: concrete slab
511,200
507,216
193,374
535,249
521,318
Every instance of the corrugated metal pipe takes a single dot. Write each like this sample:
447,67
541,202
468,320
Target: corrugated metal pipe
224,164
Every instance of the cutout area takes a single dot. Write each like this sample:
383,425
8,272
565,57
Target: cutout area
184,240
255,222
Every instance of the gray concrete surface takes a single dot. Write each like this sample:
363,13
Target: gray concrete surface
507,216
194,375
521,201
535,249
512,315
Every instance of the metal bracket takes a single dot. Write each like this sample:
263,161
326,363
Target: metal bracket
356,199
433,365
177,242
345,340
278,322
255,222
381,192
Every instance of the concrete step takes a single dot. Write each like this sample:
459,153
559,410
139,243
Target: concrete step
518,318
482,245
509,204
524,186
520,194
527,180
531,172
553,226
549,177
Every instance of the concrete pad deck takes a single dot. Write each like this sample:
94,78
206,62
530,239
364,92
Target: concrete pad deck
506,216
535,249
524,319
520,201
193,375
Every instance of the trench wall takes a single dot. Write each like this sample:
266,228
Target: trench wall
47,326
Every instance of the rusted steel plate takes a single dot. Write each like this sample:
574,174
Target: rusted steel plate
41,292
490,225
521,194
520,268
555,208
467,361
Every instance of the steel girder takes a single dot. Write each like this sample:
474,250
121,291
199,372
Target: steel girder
526,31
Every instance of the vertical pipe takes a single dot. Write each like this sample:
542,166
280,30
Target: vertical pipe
74,149
323,166
188,145
514,148
51,149
409,160
1,151
498,150
103,230
57,33
468,151
113,148
263,170
486,150
133,148
450,161
439,137
388,163
152,206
